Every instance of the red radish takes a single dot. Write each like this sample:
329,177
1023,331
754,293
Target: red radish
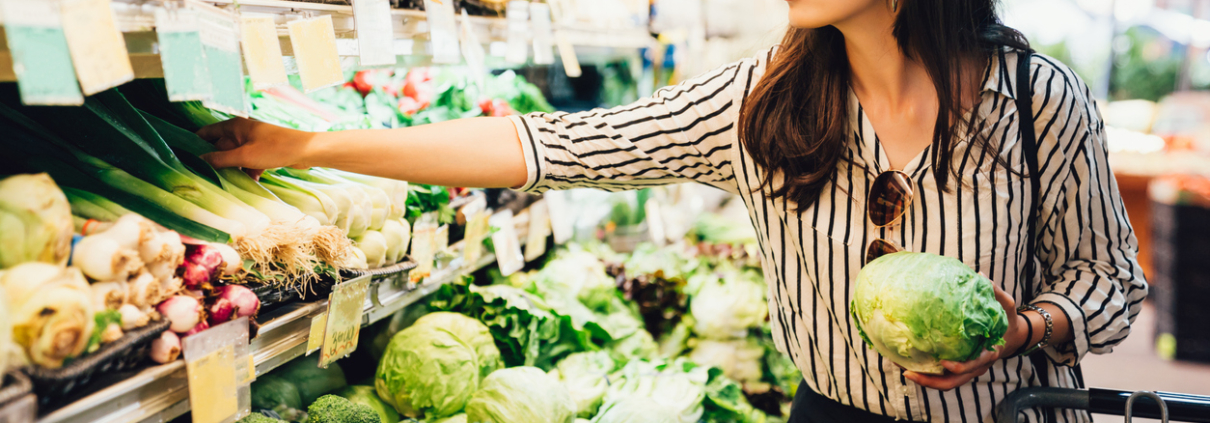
201,326
183,311
233,301
166,348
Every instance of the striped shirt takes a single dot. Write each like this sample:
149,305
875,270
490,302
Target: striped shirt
1086,247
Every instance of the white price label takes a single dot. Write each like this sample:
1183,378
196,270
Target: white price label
567,53
539,229
262,52
655,222
472,51
443,32
424,246
518,32
314,44
217,365
375,35
562,223
506,244
98,50
543,36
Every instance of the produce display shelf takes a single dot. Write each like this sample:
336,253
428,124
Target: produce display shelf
160,393
136,20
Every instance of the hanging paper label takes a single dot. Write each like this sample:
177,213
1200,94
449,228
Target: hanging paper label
41,60
375,36
262,52
508,247
424,246
314,43
98,50
217,365
562,223
472,51
180,38
345,305
539,229
655,222
220,43
477,221
443,32
315,339
567,53
543,36
518,32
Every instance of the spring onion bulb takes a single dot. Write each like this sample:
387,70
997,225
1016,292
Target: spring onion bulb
311,202
102,258
143,290
166,348
165,247
358,261
397,191
396,238
133,317
108,295
374,245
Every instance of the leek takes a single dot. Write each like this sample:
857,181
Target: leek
40,150
83,207
313,203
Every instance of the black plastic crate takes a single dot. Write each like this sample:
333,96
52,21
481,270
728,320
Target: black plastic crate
1180,285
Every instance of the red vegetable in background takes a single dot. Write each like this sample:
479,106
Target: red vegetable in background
183,311
233,301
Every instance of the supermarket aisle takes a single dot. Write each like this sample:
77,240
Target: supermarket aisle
1134,365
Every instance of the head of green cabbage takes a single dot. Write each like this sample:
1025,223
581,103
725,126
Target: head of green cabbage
918,309
521,394
430,369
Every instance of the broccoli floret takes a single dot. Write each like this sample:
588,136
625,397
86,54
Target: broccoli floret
259,418
334,409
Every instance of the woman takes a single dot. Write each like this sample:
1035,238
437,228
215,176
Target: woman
910,102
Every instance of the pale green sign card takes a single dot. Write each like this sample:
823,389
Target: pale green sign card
186,74
41,60
220,44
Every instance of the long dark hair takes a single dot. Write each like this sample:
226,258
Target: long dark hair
795,123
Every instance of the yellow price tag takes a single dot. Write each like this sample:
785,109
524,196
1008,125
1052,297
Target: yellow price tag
98,49
424,248
262,52
476,230
539,230
345,307
314,43
315,340
212,390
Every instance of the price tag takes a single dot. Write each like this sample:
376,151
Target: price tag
314,43
518,32
543,37
375,36
262,52
472,51
220,43
476,231
41,60
315,339
539,229
562,223
443,238
216,364
508,247
655,222
180,38
443,32
98,50
567,53
345,306
424,246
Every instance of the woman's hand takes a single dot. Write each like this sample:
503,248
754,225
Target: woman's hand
958,374
256,145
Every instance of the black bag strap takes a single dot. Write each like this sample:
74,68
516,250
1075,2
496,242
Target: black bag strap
1029,139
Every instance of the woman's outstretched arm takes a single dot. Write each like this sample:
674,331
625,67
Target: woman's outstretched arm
478,152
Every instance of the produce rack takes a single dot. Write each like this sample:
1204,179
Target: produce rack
161,393
136,20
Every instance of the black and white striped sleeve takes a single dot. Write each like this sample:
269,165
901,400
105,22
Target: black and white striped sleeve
1087,245
681,133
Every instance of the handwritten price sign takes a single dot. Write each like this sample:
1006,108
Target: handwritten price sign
344,319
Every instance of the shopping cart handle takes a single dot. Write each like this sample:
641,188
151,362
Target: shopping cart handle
1181,407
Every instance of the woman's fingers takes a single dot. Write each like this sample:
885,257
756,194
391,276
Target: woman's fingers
964,367
947,381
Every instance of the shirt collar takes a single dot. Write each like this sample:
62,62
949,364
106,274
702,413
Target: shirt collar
1000,76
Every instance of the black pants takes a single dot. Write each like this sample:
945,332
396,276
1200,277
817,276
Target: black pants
811,407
